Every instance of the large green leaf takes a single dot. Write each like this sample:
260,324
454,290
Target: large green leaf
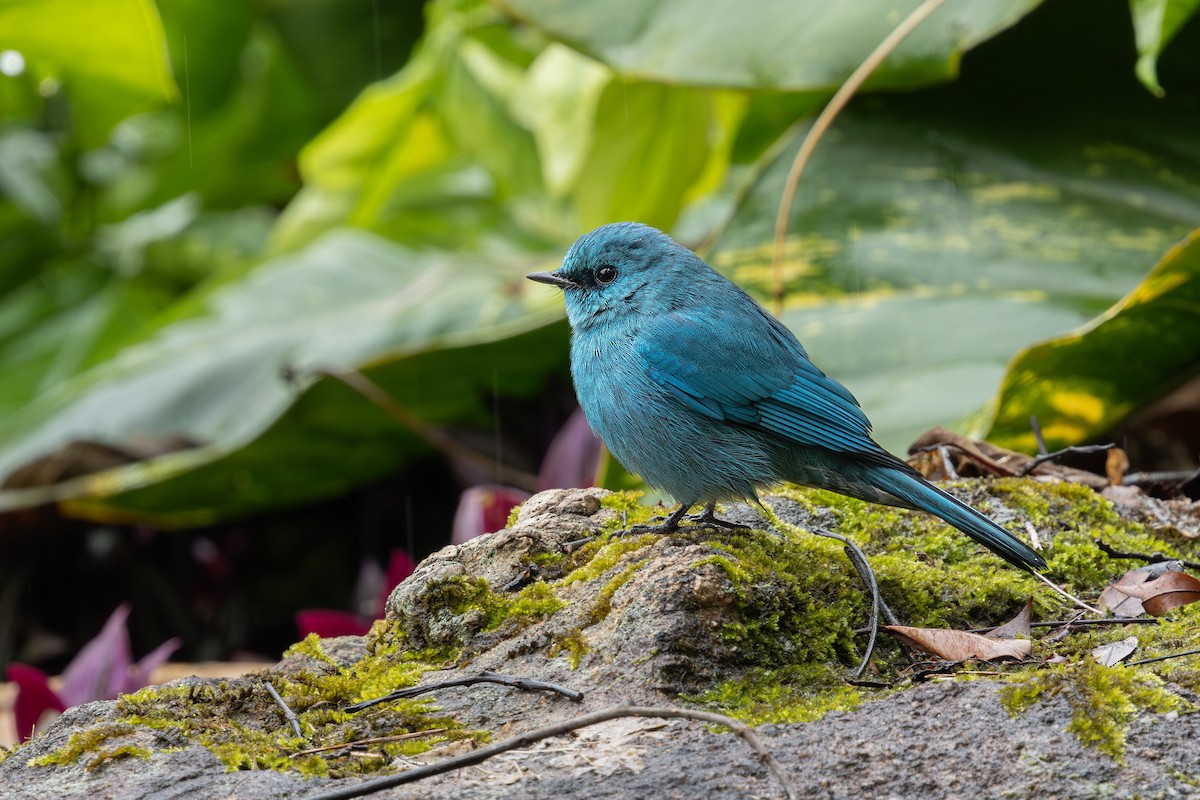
930,241
111,57
1084,383
798,45
437,331
487,126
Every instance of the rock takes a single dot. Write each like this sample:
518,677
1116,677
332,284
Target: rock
753,621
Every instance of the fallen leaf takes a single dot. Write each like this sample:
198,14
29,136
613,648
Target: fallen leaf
1017,626
960,645
1112,654
1172,590
1156,590
1116,464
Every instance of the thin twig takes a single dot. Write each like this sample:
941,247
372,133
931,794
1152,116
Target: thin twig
1034,463
1037,435
430,434
1066,594
822,123
1162,658
516,681
1154,558
399,737
287,712
1070,623
566,726
859,559
1179,477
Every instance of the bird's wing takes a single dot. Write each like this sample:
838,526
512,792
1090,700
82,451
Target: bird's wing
749,369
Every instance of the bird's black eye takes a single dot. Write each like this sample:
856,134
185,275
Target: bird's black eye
606,274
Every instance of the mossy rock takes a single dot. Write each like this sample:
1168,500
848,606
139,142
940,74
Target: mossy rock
759,624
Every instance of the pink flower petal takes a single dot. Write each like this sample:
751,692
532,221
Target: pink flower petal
139,674
573,458
328,623
484,509
34,698
100,670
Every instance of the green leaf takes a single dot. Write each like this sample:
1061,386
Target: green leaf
650,145
437,331
1086,382
927,245
800,45
110,57
1155,23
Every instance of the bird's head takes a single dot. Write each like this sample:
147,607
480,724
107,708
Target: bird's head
623,269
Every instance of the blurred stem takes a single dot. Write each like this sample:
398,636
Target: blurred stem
824,120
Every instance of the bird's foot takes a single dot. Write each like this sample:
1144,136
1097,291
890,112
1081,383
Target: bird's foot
706,519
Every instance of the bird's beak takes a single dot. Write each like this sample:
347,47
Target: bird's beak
552,278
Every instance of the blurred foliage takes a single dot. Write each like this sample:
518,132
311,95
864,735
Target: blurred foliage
1153,334
188,240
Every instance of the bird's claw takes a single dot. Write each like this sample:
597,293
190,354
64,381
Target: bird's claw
705,520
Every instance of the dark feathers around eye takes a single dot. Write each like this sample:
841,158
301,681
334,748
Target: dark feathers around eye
606,274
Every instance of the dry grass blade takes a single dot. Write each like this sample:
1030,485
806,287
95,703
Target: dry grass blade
824,120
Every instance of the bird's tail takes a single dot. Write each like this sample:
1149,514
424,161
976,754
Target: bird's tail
914,489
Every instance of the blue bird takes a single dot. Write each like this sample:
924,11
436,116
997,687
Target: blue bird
697,388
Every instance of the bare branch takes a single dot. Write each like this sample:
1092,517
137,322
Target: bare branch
516,681
1044,457
287,712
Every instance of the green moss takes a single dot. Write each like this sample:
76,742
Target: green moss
797,604
91,742
1103,700
240,723
604,597
574,644
1192,779
310,647
513,513
535,600
1072,517
629,508
790,694
598,557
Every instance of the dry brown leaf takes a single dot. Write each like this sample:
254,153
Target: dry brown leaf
1116,464
1112,654
1172,590
1017,626
960,645
1150,590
